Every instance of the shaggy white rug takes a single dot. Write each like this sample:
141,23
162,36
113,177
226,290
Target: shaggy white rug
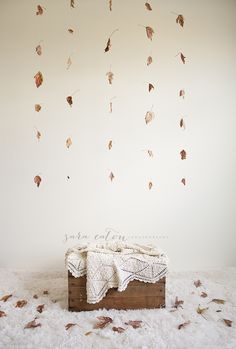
159,328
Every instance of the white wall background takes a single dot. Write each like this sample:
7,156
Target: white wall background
197,221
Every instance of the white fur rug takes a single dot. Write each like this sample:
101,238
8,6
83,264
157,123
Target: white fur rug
159,328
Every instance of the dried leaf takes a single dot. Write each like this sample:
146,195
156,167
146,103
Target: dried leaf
5,298
110,145
104,321
218,301
39,10
69,326
180,20
111,176
149,116
20,304
198,282
72,3
37,107
218,311
203,295
148,6
69,100
149,60
40,308
37,180
134,323
68,63
182,93
88,333
38,79
45,292
108,46
110,106
149,32
68,142
178,303
150,87
32,324
150,185
183,180
183,155
118,329
182,57
183,325
150,153
35,296
228,322
38,50
201,311
182,123
38,135
110,5
2,313
110,76
71,31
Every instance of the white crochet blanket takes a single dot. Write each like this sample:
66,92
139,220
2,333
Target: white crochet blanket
115,265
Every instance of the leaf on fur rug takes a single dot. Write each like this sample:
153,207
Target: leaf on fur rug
20,304
228,322
217,301
178,303
183,325
32,324
69,325
40,308
35,296
118,329
197,283
2,313
134,323
203,295
201,311
103,322
6,297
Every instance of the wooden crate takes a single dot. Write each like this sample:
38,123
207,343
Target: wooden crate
137,295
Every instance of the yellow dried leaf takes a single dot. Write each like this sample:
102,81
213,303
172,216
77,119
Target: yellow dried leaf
38,50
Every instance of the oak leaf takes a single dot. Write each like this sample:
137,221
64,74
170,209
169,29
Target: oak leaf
38,50
69,326
149,60
39,10
40,308
37,107
32,324
69,100
2,313
68,142
110,76
104,321
180,20
6,297
148,6
134,323
183,325
118,329
37,180
150,87
197,283
228,322
20,304
149,116
149,32
38,78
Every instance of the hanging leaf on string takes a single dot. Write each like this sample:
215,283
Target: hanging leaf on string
148,6
38,50
110,76
108,45
180,20
228,322
38,135
71,31
37,180
183,180
150,153
149,60
149,32
182,93
69,100
38,79
149,116
39,10
111,176
110,5
68,143
183,155
182,57
182,124
134,323
68,63
150,185
37,107
72,3
150,87
110,145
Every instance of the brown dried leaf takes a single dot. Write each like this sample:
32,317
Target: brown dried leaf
71,31
201,311
68,142
150,185
38,50
182,123
69,326
88,333
149,60
39,10
134,323
180,20
149,116
2,313
38,79
150,153
35,296
198,282
104,321
150,87
37,180
183,155
183,180
110,5
110,106
178,303
110,145
203,295
72,3
38,135
45,292
218,301
183,325
149,32
148,6
20,304
110,76
218,311
108,46
40,308
182,57
32,324
68,63
37,107
69,100
111,176
182,93
228,322
118,329
6,297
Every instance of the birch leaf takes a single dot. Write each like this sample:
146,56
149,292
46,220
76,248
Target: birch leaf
69,100
134,323
150,185
32,324
150,87
110,145
72,3
183,325
104,321
149,32
148,6
39,10
40,308
228,322
2,313
108,46
68,142
37,180
149,60
38,135
182,123
68,63
38,79
118,329
110,5
180,20
111,176
183,180
182,93
183,155
218,301
6,297
37,107
149,117
110,76
182,57
38,50
20,304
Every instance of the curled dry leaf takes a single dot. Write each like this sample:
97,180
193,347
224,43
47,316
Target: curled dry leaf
108,46
110,145
69,100
38,135
38,78
104,321
228,322
71,31
118,329
180,20
111,176
110,76
39,10
110,5
88,333
149,60
183,325
68,63
134,323
32,324
183,155
35,296
20,304
182,93
150,153
72,3
203,295
150,87
182,124
40,308
38,50
150,185
37,180
68,142
182,57
148,6
37,107
218,301
45,292
6,297
183,180
2,313
178,303
149,32
197,283
218,311
149,116
201,311
69,326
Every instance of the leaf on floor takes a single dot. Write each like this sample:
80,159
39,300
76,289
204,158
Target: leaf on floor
38,78
203,295
32,324
68,142
6,297
228,322
183,325
150,87
103,322
2,313
37,180
134,323
178,303
180,20
40,308
217,301
149,60
21,303
69,325
148,6
118,329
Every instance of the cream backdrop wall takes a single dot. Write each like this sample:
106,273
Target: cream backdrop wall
195,223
